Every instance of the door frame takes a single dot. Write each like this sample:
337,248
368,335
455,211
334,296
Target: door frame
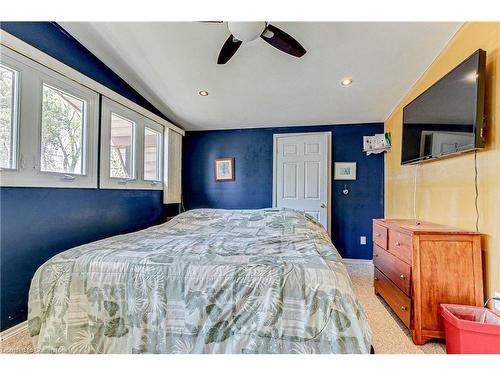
328,135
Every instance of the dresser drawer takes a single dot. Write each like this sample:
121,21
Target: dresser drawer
400,245
399,302
394,268
380,235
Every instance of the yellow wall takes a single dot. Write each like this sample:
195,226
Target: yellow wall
445,188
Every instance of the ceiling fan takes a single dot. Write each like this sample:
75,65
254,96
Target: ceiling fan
248,31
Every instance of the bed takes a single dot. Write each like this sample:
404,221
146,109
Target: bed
208,281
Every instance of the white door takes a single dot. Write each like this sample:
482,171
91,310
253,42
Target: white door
302,173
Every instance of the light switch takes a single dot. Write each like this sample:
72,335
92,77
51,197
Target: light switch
362,240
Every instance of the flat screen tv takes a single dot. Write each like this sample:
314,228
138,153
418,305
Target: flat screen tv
448,118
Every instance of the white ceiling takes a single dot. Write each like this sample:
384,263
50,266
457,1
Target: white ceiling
170,62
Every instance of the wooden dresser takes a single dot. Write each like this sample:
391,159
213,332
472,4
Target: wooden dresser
419,265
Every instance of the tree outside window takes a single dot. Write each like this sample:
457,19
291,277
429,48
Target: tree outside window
62,132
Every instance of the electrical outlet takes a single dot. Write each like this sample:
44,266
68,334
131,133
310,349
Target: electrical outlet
497,303
362,240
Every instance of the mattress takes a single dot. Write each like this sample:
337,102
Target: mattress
208,281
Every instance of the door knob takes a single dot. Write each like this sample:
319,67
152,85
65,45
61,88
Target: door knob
323,205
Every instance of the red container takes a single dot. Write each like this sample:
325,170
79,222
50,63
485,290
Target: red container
471,330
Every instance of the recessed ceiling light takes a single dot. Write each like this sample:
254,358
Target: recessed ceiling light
203,93
346,82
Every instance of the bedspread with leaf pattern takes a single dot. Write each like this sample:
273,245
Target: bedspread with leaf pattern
208,281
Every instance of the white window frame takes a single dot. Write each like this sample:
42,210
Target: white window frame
108,107
158,129
31,77
14,152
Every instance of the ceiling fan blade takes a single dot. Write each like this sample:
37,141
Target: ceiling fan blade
228,49
282,41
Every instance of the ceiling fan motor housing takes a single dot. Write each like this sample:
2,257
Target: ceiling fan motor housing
246,31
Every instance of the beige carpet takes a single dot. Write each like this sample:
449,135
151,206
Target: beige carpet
390,336
18,344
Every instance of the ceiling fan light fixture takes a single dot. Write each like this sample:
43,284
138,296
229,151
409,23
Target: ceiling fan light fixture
203,93
246,31
346,82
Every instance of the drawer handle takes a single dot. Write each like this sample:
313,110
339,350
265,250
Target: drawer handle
404,308
398,243
402,277
376,255
375,278
377,235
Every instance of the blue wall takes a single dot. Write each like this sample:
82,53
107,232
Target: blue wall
252,188
37,223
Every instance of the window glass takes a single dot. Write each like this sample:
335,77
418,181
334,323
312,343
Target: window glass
122,150
151,154
62,136
8,78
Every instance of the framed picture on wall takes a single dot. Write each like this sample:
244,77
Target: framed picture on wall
345,171
224,169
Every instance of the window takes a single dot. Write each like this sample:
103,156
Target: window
49,126
121,160
8,109
62,132
152,149
131,149
55,142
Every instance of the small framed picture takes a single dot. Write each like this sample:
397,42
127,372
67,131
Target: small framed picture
345,171
224,169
